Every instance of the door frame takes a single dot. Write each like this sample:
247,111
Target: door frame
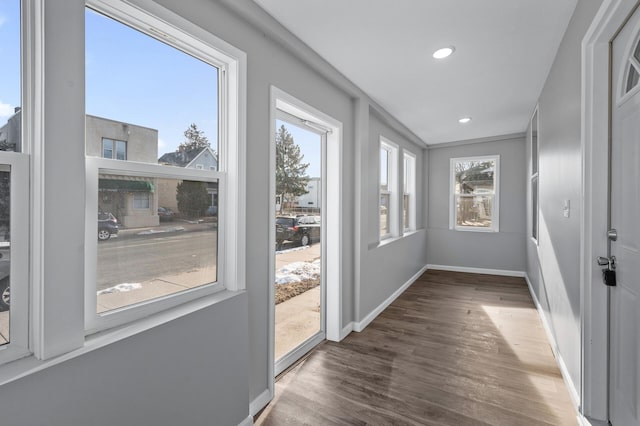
281,100
594,300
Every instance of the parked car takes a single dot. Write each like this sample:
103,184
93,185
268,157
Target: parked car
165,213
5,270
107,225
302,229
212,210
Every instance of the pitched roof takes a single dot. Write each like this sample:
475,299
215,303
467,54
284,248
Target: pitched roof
184,158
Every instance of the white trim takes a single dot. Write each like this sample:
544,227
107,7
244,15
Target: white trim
346,330
501,272
260,401
571,387
246,422
497,138
595,134
361,325
281,100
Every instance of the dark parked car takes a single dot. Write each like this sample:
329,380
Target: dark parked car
165,213
301,229
107,225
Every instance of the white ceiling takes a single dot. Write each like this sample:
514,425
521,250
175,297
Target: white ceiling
504,50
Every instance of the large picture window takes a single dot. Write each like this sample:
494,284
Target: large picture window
474,193
153,170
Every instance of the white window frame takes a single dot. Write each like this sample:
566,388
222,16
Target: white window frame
495,208
409,184
20,331
154,20
392,188
534,181
18,345
114,148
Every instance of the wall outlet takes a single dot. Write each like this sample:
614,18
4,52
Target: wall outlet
566,209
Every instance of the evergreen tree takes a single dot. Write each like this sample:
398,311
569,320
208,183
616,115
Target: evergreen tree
194,140
291,172
192,198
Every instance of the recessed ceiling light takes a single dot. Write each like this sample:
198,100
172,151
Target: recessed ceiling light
444,52
464,120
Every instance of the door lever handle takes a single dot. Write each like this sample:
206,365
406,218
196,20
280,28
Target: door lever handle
602,261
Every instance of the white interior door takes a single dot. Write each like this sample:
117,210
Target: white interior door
624,355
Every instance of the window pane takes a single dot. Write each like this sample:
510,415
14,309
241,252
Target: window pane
474,177
632,79
474,210
534,144
10,89
384,214
534,208
107,148
384,169
167,247
158,103
5,252
121,150
405,211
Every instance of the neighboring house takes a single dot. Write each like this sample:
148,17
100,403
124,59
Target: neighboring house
312,199
10,135
204,159
133,200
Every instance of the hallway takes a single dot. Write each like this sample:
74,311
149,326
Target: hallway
455,349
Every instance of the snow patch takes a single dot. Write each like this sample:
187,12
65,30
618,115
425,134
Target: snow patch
160,231
121,288
291,250
298,271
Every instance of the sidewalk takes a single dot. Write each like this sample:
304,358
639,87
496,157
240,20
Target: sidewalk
178,225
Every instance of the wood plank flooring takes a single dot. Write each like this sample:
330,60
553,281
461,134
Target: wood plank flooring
454,349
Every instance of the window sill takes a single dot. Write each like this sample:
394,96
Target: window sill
471,229
24,367
391,240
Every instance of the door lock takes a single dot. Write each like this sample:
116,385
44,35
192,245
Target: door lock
608,273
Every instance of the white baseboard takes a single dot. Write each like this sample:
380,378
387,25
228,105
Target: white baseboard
501,272
346,330
585,421
571,387
247,422
361,325
259,403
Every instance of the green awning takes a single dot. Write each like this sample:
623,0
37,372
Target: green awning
116,185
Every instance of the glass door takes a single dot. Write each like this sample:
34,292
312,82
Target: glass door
299,246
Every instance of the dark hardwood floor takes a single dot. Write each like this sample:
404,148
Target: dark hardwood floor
454,349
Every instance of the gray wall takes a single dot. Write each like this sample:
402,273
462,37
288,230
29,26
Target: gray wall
387,267
503,250
553,266
191,371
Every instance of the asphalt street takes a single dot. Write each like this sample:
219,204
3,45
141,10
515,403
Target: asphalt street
134,260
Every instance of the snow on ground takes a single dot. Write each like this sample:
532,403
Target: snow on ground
121,288
292,249
298,271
